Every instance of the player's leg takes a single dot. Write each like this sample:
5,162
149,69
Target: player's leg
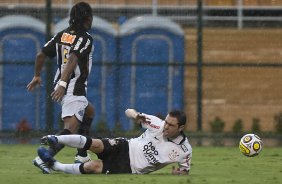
94,166
72,114
91,167
70,126
84,129
76,141
73,110
113,152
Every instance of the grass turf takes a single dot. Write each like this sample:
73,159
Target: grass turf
210,165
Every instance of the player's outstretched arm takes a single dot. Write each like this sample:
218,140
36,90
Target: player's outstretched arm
137,116
36,80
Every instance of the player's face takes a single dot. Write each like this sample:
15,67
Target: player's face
171,128
88,23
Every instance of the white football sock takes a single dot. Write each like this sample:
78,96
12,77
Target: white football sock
67,168
74,141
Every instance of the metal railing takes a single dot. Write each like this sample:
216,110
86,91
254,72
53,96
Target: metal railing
235,16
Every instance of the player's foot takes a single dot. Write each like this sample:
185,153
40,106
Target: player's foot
50,140
45,156
80,159
41,165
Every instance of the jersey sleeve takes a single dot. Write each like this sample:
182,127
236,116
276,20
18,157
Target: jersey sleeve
49,49
185,163
152,123
82,46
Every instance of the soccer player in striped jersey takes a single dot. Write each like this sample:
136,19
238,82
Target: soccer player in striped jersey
73,49
161,144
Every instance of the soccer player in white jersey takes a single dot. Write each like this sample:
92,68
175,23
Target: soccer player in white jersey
161,144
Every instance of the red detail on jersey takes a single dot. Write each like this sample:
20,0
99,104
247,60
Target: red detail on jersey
151,125
154,126
68,38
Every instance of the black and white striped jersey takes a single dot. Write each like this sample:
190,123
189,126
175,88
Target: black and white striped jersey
62,45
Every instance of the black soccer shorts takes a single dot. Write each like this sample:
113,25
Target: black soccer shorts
115,156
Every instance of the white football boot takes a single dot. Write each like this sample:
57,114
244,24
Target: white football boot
41,165
80,159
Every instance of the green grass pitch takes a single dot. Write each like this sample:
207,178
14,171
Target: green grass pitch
210,165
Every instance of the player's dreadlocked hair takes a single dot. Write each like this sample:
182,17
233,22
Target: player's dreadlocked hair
79,13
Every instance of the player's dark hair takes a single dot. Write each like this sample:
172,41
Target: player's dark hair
79,13
179,115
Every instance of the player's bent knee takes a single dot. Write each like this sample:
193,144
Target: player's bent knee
97,146
94,166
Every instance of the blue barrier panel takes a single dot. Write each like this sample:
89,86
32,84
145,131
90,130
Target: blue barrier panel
156,88
101,84
21,37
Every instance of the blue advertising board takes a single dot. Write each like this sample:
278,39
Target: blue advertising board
21,37
151,78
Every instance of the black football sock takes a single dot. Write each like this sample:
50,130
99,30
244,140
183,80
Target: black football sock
84,129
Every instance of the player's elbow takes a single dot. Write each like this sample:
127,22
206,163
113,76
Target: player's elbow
40,56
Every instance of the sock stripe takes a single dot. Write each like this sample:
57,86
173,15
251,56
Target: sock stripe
81,169
88,143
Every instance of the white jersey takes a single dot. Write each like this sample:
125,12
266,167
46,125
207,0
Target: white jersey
152,151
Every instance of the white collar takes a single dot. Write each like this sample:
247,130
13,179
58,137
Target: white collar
178,140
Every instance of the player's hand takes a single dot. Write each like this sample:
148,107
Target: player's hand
142,118
36,81
177,171
58,93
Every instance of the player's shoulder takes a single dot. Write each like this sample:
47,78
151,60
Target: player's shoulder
85,34
77,33
88,34
58,35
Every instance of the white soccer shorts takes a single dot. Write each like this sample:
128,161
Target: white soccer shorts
74,105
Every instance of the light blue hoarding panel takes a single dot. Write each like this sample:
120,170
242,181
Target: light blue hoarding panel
102,79
19,44
155,88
